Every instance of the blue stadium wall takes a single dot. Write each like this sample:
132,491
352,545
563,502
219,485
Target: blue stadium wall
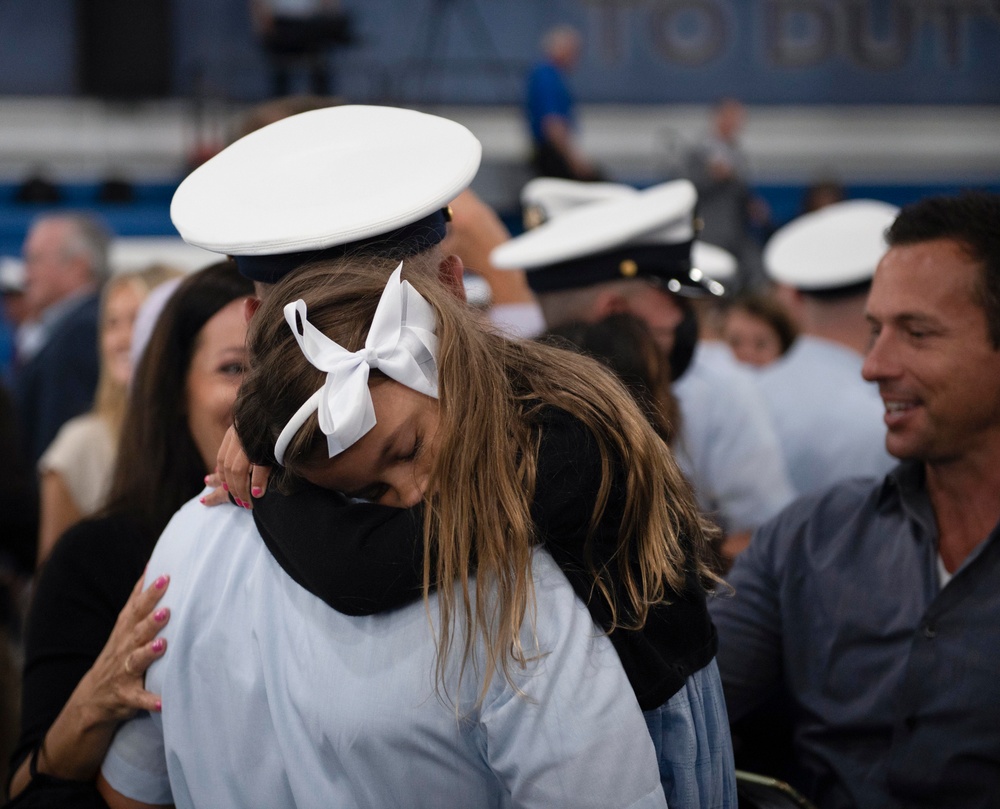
652,51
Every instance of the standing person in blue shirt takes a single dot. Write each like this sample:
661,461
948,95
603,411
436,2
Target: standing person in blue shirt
872,609
550,109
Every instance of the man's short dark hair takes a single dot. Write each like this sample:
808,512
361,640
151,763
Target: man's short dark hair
973,220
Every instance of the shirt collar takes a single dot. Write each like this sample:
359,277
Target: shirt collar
906,485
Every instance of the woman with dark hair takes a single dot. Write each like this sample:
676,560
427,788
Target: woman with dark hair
92,627
625,344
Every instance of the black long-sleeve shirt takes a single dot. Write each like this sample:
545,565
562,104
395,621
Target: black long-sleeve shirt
82,588
365,558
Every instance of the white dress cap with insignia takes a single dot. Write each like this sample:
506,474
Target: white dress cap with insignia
545,198
325,179
628,234
831,249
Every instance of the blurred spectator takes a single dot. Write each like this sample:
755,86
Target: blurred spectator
65,259
631,254
822,193
88,640
75,471
758,329
299,33
550,109
625,344
829,420
727,206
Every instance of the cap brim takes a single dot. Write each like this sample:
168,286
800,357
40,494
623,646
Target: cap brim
599,227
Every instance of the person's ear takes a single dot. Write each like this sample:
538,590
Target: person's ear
250,306
450,273
606,303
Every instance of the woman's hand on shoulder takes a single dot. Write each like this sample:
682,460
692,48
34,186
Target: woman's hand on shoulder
235,476
116,681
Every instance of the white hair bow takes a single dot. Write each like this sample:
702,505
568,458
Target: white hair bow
401,344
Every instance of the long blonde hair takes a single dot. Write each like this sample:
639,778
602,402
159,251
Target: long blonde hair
492,393
111,395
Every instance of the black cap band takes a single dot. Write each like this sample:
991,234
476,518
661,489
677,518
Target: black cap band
667,262
396,244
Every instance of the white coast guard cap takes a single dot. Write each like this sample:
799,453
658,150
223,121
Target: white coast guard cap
369,177
831,249
545,198
645,234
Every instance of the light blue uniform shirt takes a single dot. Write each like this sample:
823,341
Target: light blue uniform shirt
829,420
271,698
727,447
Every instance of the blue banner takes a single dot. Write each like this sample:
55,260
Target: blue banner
636,51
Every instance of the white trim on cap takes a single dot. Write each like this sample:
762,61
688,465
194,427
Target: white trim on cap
658,215
323,178
837,246
554,196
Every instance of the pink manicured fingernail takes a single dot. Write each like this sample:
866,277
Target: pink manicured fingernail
206,479
160,615
202,500
158,706
225,486
158,645
160,583
256,491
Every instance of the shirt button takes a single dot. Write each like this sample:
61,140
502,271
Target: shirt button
930,632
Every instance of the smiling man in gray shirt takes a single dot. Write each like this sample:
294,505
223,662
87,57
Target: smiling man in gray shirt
873,608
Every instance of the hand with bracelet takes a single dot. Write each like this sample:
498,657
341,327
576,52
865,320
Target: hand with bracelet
109,693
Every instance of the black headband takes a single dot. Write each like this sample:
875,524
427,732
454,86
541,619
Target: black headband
396,244
668,262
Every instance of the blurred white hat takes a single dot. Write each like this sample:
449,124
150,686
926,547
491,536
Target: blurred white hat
831,249
544,198
646,234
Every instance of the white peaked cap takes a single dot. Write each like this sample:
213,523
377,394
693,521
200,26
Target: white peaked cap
662,214
325,178
835,247
545,198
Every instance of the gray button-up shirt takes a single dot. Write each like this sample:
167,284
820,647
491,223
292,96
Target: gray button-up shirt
894,681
